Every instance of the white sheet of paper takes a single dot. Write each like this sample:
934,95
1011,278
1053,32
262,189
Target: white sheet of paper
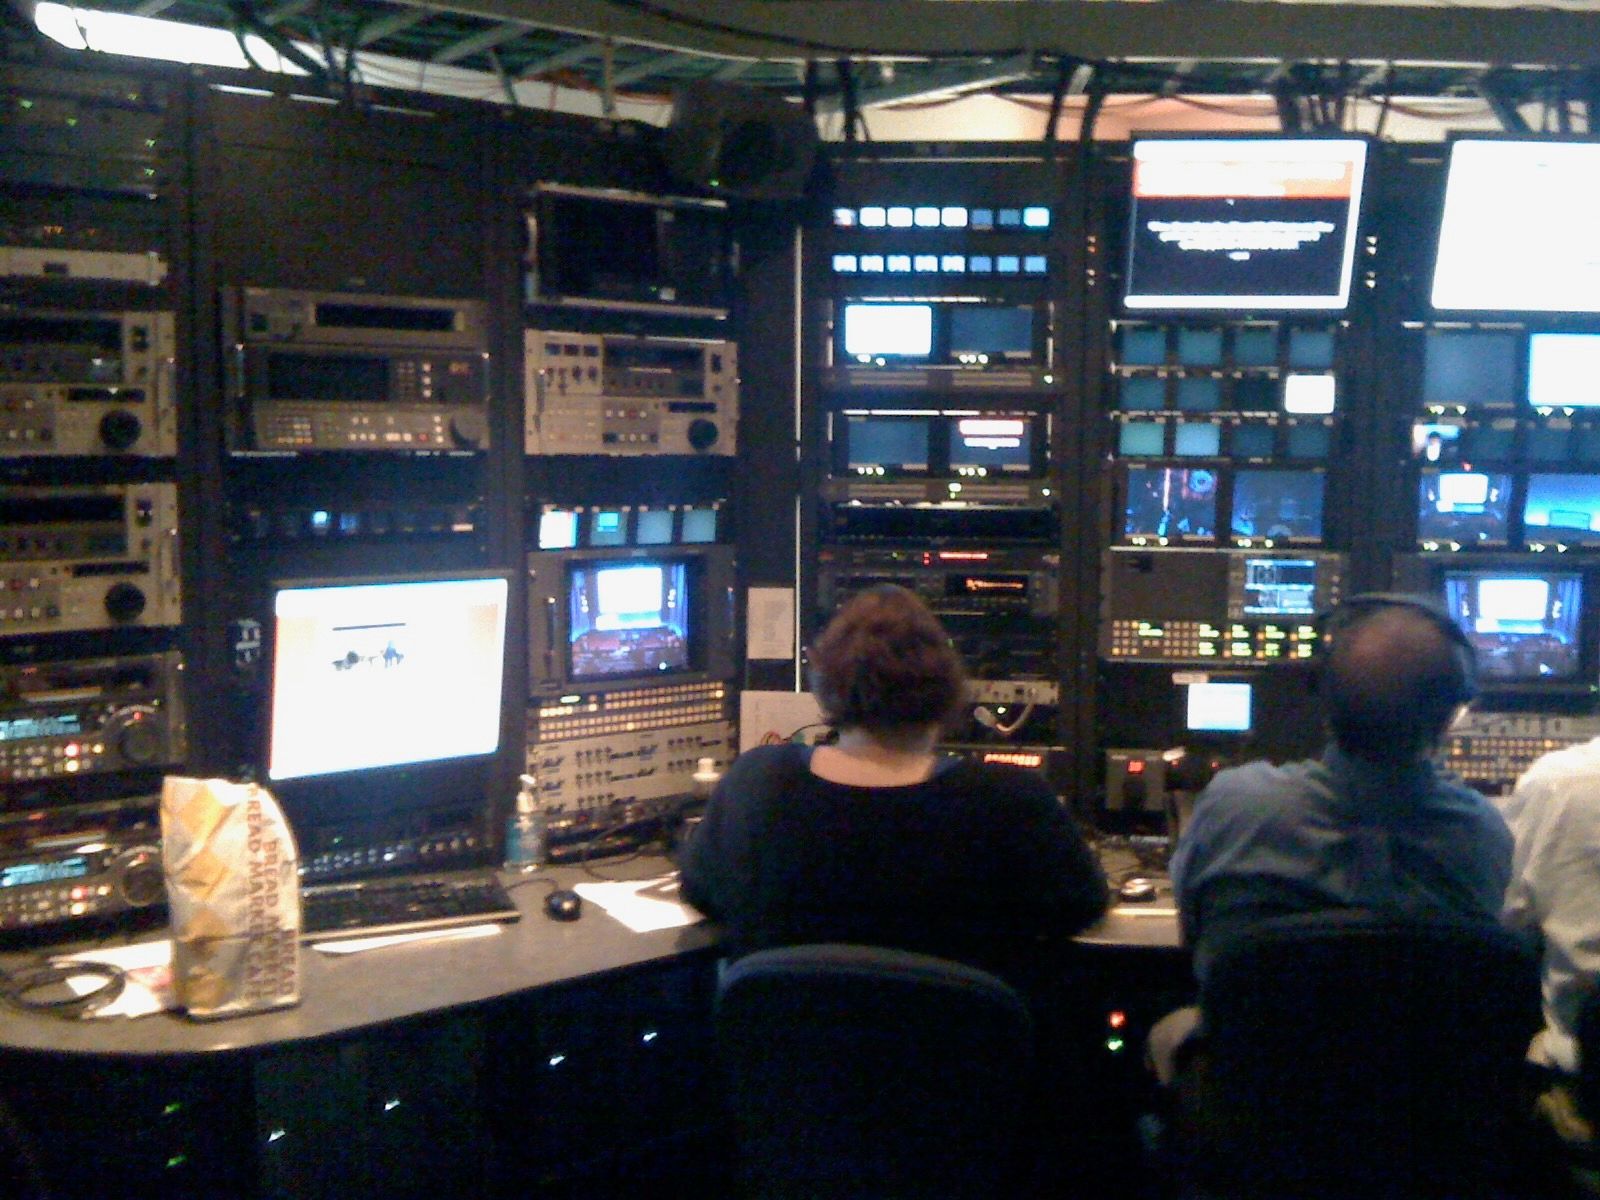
147,983
769,622
642,905
769,717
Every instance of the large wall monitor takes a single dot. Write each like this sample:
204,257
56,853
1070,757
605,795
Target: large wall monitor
1518,232
1244,224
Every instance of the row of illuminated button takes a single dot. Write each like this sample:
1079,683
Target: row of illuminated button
591,727
38,904
1203,639
940,264
389,854
1034,217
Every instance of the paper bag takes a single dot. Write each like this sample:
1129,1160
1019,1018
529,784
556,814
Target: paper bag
233,891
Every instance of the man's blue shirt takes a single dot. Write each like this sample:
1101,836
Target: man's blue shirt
1338,832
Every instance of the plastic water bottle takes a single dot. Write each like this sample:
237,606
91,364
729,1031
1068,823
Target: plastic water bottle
527,834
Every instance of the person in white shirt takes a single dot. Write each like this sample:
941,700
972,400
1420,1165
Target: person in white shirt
1554,815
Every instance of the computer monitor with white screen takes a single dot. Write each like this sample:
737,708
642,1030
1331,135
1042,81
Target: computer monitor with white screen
1215,707
376,674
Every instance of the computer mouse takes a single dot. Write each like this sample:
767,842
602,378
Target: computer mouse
1137,890
563,904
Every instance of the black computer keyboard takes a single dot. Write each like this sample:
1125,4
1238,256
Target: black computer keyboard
403,904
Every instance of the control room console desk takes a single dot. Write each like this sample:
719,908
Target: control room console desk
554,1059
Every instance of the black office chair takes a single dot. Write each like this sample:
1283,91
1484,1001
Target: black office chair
1349,1055
859,1073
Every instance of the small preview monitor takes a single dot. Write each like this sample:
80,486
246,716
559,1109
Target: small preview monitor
1197,439
1435,443
1310,395
1199,393
1518,233
1562,508
1467,507
1171,502
1282,505
558,529
1002,444
1142,345
1240,224
1142,393
1470,368
1280,587
374,674
1524,624
627,618
1214,707
699,526
991,333
1142,439
1255,346
887,331
880,443
1564,370
1253,440
608,527
1200,347
653,527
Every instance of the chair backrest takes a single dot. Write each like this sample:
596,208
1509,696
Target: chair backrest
1355,1054
855,1071
1589,1055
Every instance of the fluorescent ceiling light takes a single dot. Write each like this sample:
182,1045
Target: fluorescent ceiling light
148,37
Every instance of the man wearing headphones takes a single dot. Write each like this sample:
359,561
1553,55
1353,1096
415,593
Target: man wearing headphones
1371,824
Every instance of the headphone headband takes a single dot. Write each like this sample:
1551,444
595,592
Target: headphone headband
1355,609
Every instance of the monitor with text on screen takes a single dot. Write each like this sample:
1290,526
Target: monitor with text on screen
384,673
1518,232
1240,224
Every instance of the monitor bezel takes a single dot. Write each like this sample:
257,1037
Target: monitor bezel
1584,685
654,556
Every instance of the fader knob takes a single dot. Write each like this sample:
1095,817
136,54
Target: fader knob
124,601
120,429
139,738
702,433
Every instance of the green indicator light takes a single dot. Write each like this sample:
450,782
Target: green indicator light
1115,1044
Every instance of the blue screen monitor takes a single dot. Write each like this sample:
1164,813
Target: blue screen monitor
654,527
1280,505
985,332
887,444
1524,624
608,527
699,526
1562,508
1142,439
1175,503
1470,368
1195,439
1465,507
992,444
1435,443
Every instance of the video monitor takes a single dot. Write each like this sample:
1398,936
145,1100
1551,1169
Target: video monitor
1310,441
1197,439
1252,440
1311,348
1241,224
1200,347
558,529
627,618
1518,232
887,444
1281,505
1435,443
1142,393
1306,395
1562,508
1468,507
608,527
887,331
1199,393
991,333
1142,439
1256,394
1142,346
699,526
1255,346
1548,443
1524,624
1215,707
1470,368
1280,587
653,527
1001,444
385,673
1175,503
1564,370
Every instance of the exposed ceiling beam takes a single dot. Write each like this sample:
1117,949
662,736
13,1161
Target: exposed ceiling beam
571,56
152,8
927,82
291,8
653,65
1088,29
486,39
395,22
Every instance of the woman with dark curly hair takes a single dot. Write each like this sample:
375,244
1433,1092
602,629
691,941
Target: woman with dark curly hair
876,839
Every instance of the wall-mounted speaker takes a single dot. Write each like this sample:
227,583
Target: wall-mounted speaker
740,142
